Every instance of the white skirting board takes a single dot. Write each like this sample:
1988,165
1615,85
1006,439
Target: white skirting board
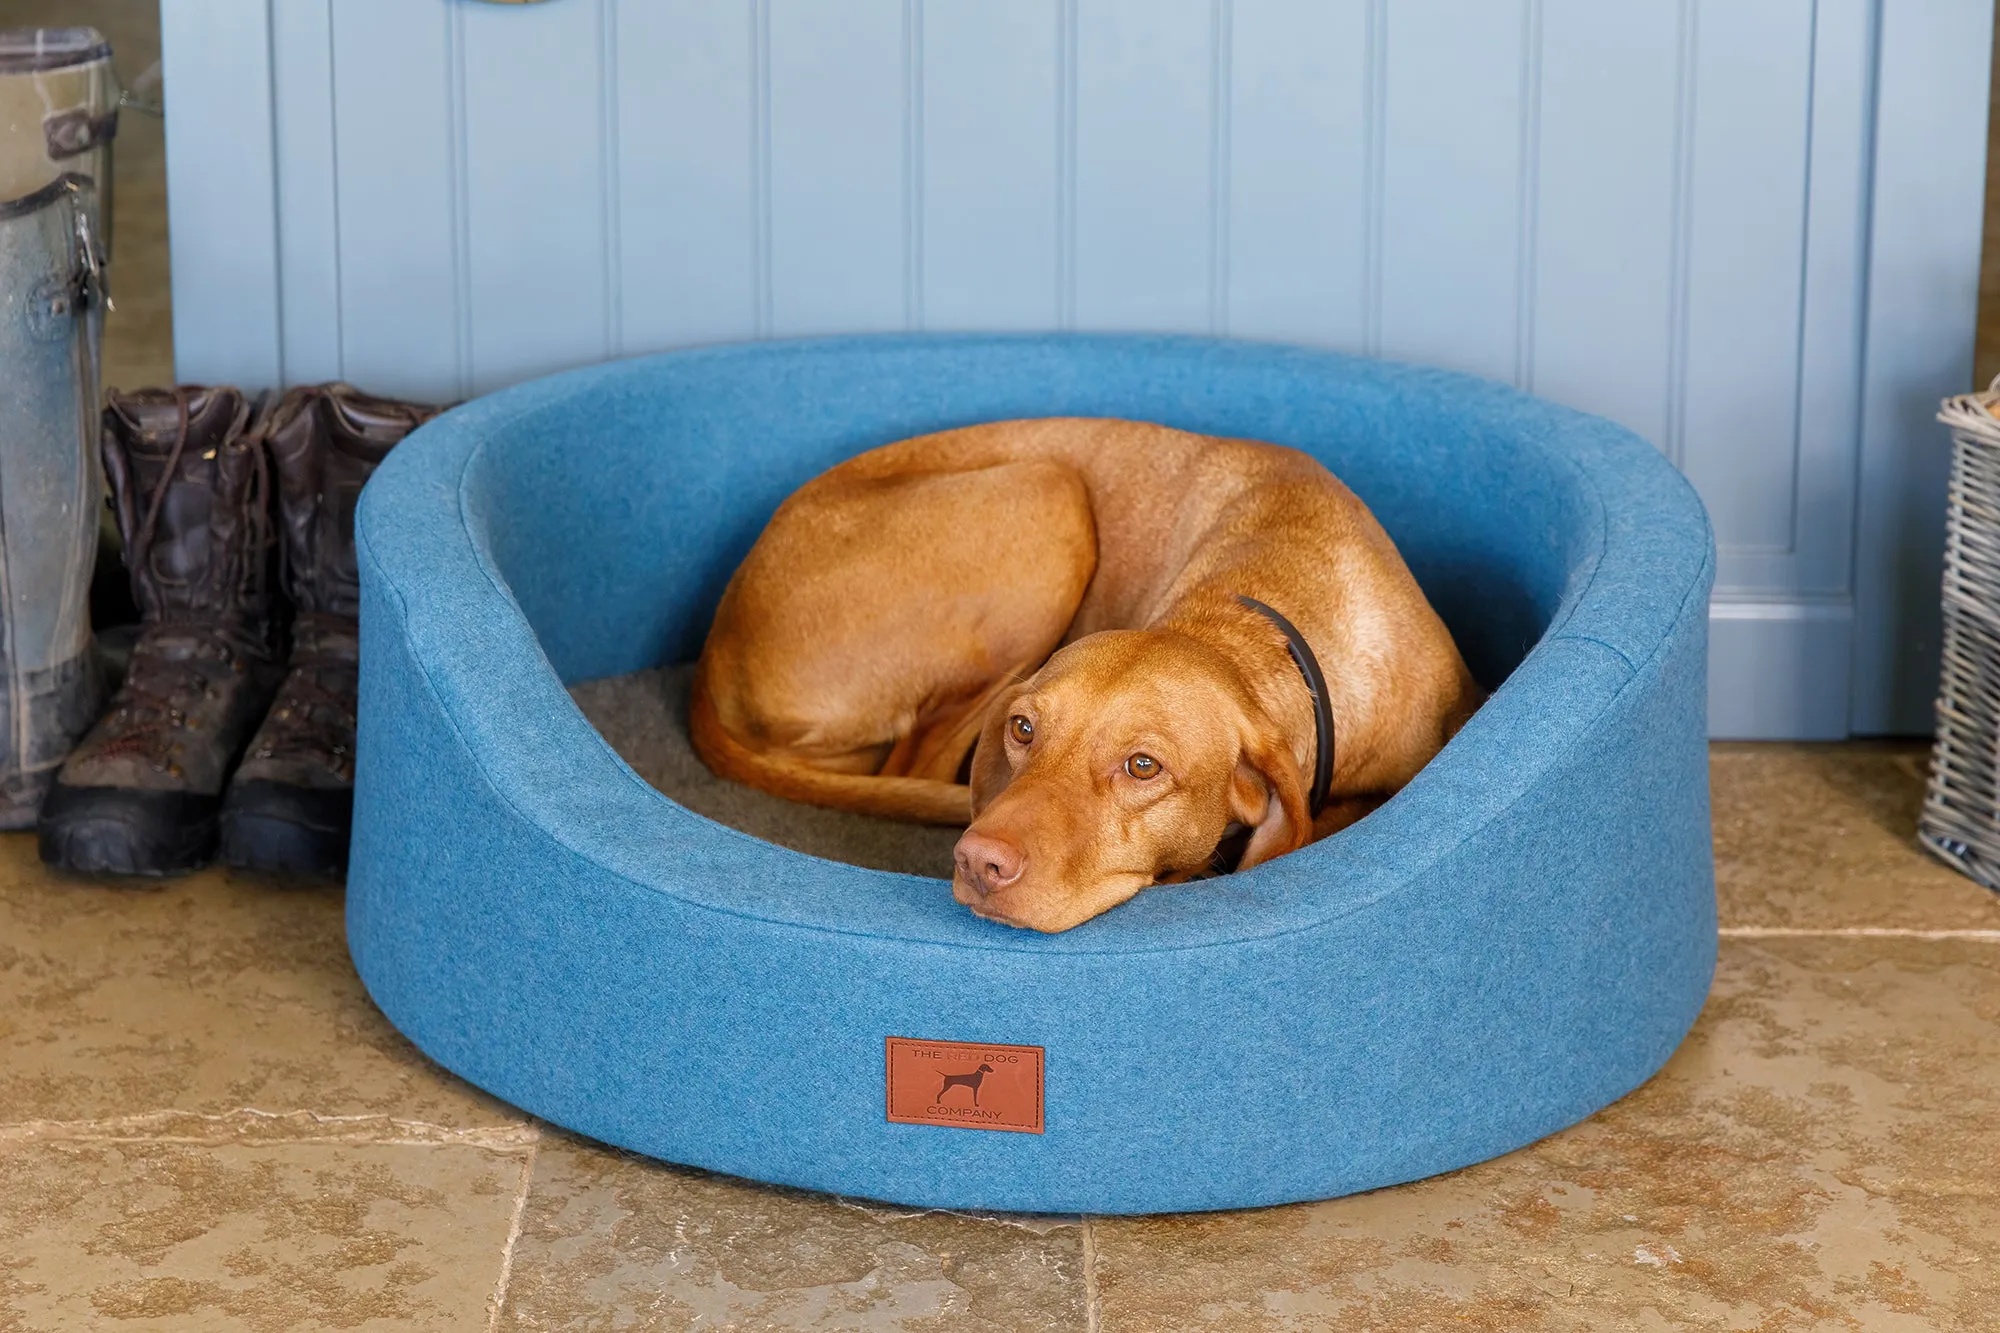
1779,670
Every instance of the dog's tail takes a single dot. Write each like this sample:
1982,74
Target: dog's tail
924,800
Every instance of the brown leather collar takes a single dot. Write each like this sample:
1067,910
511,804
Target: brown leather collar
1302,655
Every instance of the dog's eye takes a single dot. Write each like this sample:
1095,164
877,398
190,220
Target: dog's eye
1024,730
1143,767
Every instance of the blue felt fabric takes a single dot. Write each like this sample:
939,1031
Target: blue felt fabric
1523,935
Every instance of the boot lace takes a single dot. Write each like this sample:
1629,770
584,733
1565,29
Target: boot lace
262,529
165,688
164,679
315,708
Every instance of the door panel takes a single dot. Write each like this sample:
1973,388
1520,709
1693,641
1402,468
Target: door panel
1454,187
1145,165
687,140
991,179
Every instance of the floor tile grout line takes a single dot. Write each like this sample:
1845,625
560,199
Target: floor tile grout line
230,1126
1092,1317
1857,933
498,1304
9,1139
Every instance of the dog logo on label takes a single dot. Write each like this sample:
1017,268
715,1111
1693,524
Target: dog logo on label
972,1080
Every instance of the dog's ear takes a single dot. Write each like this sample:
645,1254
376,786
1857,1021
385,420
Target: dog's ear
990,770
1267,794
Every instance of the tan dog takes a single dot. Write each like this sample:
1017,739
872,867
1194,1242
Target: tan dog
900,610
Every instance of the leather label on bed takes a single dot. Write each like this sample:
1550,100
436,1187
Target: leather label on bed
965,1085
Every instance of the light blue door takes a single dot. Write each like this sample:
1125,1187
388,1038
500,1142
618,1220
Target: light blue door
1671,212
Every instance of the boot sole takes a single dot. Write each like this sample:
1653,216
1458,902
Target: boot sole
289,830
126,831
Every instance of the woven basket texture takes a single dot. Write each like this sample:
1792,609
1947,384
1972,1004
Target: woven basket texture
1961,818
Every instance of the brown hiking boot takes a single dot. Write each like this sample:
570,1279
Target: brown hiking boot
191,488
291,803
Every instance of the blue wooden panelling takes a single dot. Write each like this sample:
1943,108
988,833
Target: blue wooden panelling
309,238
1300,124
1819,560
1605,257
840,166
223,242
1679,213
1923,291
689,153
1454,183
990,174
1778,668
396,101
1752,92
1145,84
538,281
1783,636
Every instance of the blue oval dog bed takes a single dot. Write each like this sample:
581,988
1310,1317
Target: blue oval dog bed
1520,937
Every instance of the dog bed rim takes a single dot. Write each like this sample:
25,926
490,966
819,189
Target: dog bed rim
1028,943
493,415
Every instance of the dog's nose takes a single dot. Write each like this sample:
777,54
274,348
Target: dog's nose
989,864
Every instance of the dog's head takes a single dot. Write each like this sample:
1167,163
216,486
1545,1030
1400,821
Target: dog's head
1122,763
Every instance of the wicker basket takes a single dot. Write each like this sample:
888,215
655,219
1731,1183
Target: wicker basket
1961,820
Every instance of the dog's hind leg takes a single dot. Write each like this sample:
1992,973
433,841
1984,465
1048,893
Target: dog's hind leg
856,649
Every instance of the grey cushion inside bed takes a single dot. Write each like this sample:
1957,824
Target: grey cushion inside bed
644,717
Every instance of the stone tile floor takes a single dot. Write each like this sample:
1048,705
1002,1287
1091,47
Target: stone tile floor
204,1125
